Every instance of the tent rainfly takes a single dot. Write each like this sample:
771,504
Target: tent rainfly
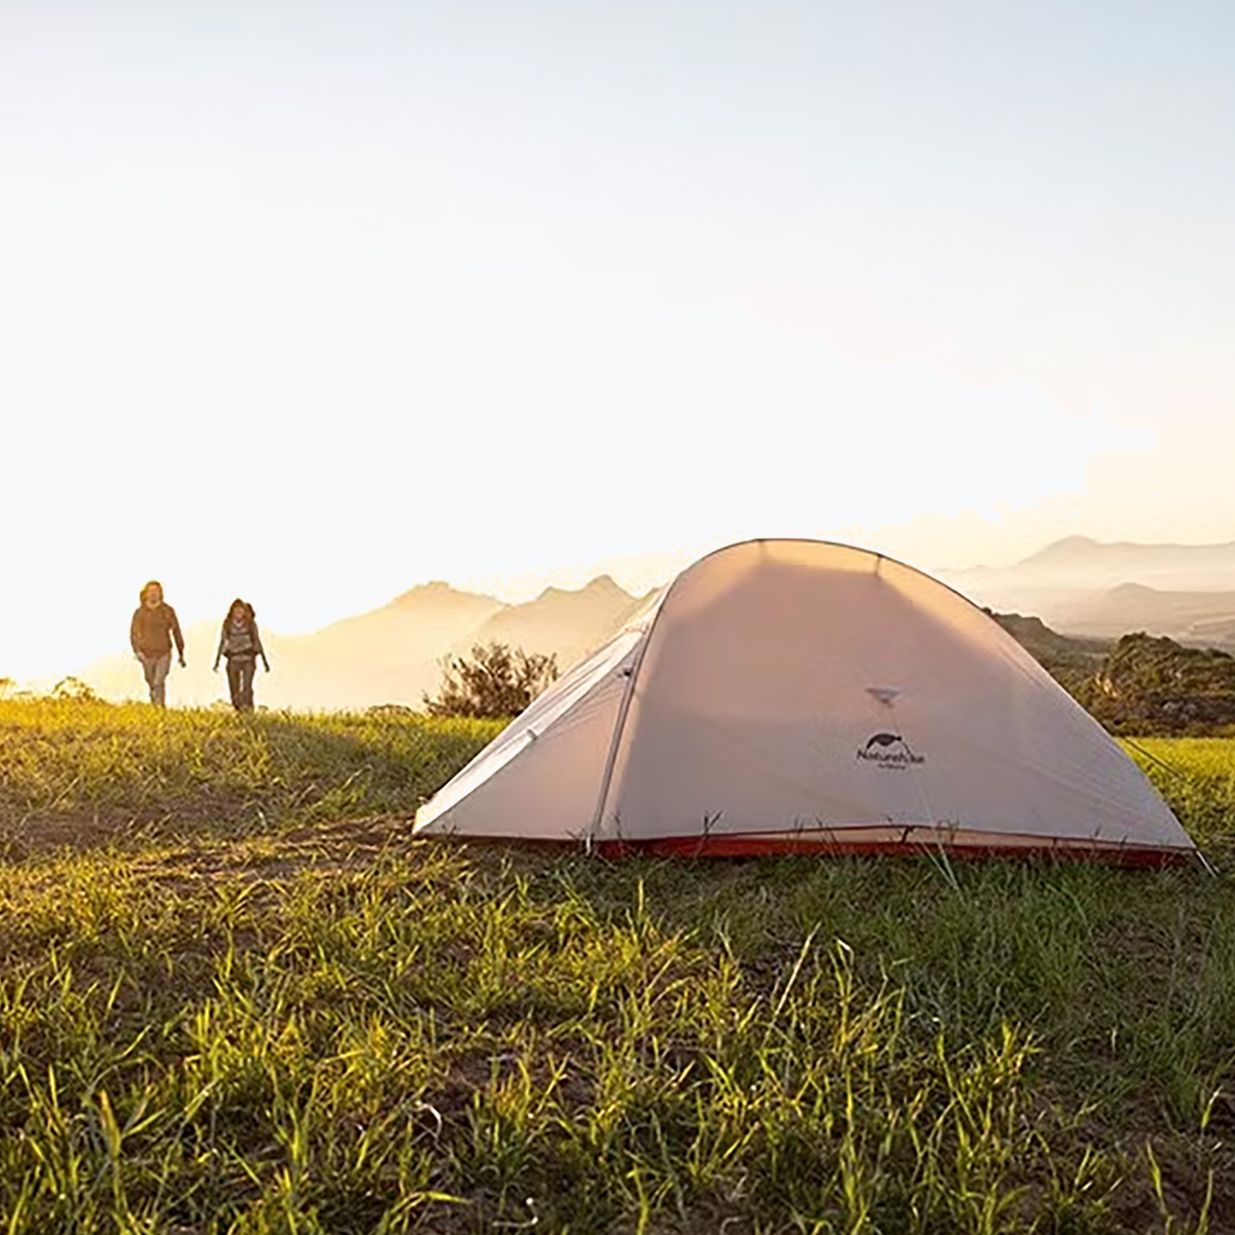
791,696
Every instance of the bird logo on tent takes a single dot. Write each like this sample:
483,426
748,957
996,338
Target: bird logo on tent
889,750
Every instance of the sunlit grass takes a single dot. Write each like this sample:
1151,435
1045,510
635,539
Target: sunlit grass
78,771
286,1026
1197,776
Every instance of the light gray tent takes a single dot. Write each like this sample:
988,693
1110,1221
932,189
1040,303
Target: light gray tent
792,696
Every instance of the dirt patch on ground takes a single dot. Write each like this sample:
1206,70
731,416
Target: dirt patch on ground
35,835
271,853
355,844
272,857
345,846
38,834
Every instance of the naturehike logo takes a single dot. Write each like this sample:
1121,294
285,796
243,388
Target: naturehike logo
891,751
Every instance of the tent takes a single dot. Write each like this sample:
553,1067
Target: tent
796,696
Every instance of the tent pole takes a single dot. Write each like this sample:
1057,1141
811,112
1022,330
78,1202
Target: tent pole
618,728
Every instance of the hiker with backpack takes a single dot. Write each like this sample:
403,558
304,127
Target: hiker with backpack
151,632
241,644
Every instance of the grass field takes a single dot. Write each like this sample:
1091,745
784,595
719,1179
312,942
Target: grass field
235,996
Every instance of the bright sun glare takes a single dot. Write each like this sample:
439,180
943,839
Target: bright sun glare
313,305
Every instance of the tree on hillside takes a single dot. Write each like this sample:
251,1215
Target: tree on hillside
494,680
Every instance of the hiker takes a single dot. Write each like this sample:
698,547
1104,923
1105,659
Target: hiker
242,645
151,632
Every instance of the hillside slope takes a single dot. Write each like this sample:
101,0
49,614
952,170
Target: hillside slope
1154,685
1069,661
1140,684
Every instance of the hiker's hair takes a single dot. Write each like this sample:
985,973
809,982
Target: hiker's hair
146,587
245,607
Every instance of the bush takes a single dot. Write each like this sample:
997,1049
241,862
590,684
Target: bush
1154,685
494,681
75,690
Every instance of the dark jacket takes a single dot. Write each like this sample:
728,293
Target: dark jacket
152,630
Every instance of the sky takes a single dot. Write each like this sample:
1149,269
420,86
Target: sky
310,302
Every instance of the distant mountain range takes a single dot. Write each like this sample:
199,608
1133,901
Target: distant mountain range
1079,562
389,655
1082,589
1085,587
1193,617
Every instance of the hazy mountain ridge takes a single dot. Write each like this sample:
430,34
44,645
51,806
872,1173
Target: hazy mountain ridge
1190,616
561,622
1087,587
387,655
1098,561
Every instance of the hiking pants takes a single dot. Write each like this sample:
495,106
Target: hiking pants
155,669
240,671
